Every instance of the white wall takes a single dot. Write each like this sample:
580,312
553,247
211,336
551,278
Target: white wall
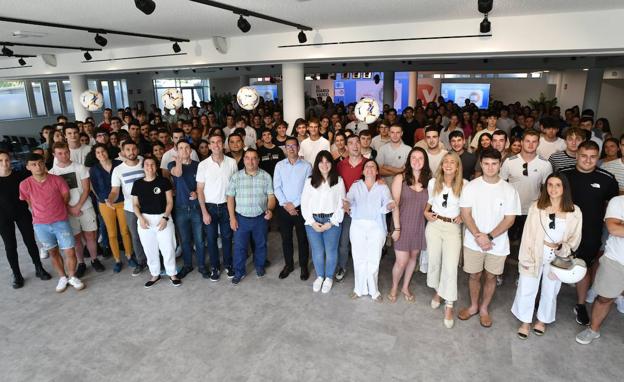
224,85
572,89
611,96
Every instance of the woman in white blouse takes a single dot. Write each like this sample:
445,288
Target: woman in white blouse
322,211
368,203
443,233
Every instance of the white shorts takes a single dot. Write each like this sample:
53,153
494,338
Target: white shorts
86,222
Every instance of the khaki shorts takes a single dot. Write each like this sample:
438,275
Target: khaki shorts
609,282
83,223
476,261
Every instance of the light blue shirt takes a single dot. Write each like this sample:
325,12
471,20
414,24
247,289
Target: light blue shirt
369,205
289,179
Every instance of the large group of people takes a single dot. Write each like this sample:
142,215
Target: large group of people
444,186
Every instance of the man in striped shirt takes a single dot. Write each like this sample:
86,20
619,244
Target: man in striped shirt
567,158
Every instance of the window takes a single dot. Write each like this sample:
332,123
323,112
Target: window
512,75
452,75
54,95
121,94
69,102
106,94
192,89
13,100
536,75
92,85
37,89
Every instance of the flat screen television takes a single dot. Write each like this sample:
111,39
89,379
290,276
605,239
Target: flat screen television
479,94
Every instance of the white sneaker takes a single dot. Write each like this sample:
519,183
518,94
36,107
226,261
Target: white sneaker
591,296
619,304
62,284
318,283
327,285
76,283
43,254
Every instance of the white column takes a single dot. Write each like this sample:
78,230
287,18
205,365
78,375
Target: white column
79,85
293,93
388,88
413,89
243,80
593,85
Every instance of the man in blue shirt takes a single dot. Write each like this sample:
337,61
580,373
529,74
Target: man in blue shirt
187,211
288,181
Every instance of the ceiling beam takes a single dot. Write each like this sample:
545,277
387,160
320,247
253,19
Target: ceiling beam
91,29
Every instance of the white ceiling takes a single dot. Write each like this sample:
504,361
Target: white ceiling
186,19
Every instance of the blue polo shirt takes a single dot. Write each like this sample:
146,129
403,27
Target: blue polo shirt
185,184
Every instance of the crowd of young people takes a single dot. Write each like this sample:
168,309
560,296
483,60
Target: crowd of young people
453,185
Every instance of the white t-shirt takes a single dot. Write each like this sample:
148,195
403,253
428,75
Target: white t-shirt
168,158
436,201
505,124
77,155
387,155
435,160
546,149
614,248
309,148
598,141
73,176
490,203
216,178
377,142
528,186
124,176
616,167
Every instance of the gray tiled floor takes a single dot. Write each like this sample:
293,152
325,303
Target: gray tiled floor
277,330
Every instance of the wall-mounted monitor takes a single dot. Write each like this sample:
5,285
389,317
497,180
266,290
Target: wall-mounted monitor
479,94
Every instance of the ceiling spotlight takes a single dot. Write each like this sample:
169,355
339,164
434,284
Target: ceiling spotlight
485,6
302,37
376,78
87,56
21,61
100,40
176,47
485,25
243,24
145,6
6,51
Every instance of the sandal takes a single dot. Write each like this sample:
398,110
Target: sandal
392,298
523,334
465,314
539,331
485,321
353,296
378,299
409,298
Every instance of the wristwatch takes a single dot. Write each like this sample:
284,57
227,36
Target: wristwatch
490,237
166,217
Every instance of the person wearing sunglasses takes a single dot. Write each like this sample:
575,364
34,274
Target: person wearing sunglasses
526,172
553,228
443,233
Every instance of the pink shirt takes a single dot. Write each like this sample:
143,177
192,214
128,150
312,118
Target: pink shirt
45,198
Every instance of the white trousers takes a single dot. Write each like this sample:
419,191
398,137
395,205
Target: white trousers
154,240
367,240
528,286
444,244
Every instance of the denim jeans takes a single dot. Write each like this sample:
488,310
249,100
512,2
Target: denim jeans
345,243
256,228
324,247
190,226
219,219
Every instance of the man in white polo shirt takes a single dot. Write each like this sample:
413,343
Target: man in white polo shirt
609,281
526,172
489,206
213,179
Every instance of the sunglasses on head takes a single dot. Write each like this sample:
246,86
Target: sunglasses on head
525,169
551,225
445,201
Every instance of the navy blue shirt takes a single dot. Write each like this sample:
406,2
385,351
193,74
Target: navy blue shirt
101,181
185,184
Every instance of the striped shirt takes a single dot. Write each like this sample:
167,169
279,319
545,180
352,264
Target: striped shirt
124,176
250,192
561,160
616,167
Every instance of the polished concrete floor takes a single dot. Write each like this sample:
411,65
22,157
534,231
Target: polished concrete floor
278,330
